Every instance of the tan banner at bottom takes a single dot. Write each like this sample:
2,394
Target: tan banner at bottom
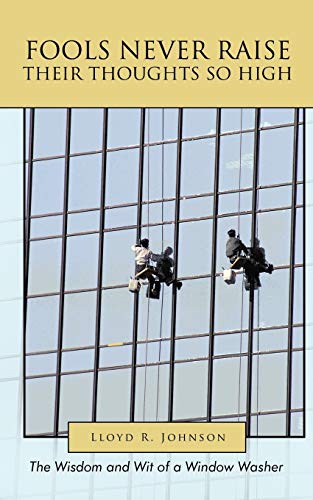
156,437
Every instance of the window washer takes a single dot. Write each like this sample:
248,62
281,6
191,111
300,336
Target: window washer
258,254
164,268
142,255
234,246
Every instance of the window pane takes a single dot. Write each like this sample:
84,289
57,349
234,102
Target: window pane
230,397
153,352
123,127
122,177
75,399
299,256
195,248
188,402
82,359
274,197
81,262
297,380
231,344
270,340
196,207
276,155
237,119
119,217
272,299
199,121
231,175
44,266
41,364
297,428
85,221
152,393
197,170
118,259
86,130
46,226
42,324
235,202
154,124
79,319
115,356
193,307
276,116
269,382
192,348
154,323
40,417
277,247
155,212
298,312
232,305
114,395
268,425
84,182
47,187
116,327
159,163
50,132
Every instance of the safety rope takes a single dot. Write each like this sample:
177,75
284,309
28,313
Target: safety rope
148,305
162,298
242,283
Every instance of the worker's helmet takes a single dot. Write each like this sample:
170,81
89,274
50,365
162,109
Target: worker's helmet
168,251
231,233
144,242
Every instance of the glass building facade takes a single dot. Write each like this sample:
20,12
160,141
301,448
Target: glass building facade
96,180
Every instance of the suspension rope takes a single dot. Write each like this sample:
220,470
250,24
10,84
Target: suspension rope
148,305
242,282
162,298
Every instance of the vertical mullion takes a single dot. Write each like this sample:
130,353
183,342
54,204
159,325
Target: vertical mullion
213,265
100,265
27,208
292,270
138,235
62,279
253,236
176,243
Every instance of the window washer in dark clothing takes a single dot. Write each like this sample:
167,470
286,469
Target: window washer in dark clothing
234,246
258,254
164,268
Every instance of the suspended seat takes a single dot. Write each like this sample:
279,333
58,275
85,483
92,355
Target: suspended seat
229,276
145,273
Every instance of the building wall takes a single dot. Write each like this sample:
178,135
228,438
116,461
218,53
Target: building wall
181,178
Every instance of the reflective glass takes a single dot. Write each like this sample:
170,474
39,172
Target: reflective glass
276,155
85,221
300,162
231,305
79,324
115,356
75,399
188,402
86,130
114,395
197,169
236,161
123,127
40,417
49,132
46,226
119,217
153,352
116,327
195,248
237,119
231,344
272,299
235,202
118,258
229,389
84,182
276,116
197,121
191,348
297,382
269,382
196,207
161,124
159,175
269,425
44,266
122,177
270,340
47,187
81,262
297,425
274,197
155,322
152,389
83,359
277,248
42,324
298,296
41,364
193,307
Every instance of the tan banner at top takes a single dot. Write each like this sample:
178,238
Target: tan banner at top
203,53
